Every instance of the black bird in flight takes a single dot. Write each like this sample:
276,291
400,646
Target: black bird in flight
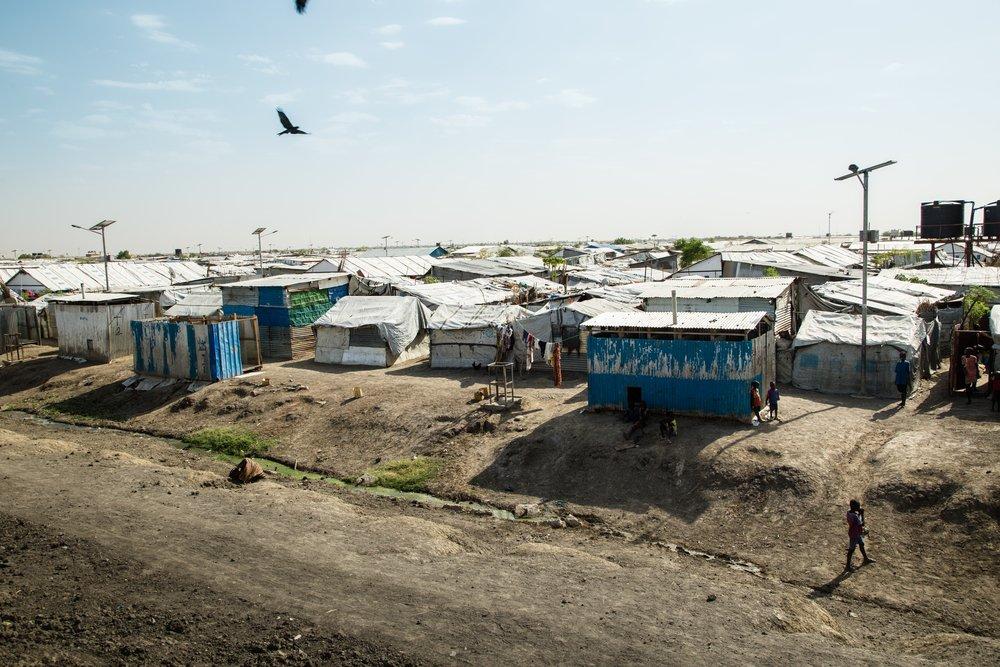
300,6
287,124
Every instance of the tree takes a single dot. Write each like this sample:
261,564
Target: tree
553,261
123,254
692,250
770,272
976,304
623,240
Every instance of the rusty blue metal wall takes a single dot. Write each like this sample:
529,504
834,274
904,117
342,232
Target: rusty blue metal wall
187,350
685,376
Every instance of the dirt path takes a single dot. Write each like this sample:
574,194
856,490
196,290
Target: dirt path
375,578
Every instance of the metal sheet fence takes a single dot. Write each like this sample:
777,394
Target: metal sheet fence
684,376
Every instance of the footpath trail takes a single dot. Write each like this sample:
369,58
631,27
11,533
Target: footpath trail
174,562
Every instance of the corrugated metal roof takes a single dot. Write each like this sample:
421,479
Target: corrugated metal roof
633,319
893,297
290,280
412,266
94,297
64,276
830,255
452,318
696,287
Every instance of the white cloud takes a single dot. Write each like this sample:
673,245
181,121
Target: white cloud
892,68
152,27
340,59
190,122
351,117
112,105
97,119
443,21
261,64
195,85
387,30
398,91
462,120
277,99
80,131
392,46
572,98
19,63
483,106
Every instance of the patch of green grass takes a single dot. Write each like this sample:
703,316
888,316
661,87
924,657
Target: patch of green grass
405,474
229,440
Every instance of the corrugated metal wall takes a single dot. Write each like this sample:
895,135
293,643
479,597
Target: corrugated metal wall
186,350
98,332
685,376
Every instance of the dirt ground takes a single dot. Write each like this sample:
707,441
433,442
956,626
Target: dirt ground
385,581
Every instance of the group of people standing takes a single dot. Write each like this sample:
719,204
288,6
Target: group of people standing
757,404
971,375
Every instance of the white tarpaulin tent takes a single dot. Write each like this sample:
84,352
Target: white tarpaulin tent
465,335
828,352
995,326
372,331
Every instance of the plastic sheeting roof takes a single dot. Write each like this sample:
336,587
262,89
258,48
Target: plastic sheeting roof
450,318
399,319
413,266
696,287
906,332
455,293
196,304
635,319
484,267
891,296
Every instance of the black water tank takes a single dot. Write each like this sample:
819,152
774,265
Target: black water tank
991,220
942,220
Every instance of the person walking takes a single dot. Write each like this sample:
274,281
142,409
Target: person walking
855,519
903,376
755,403
772,402
970,366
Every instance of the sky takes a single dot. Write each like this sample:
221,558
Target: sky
486,120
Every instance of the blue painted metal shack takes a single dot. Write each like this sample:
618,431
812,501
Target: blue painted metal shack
688,363
201,349
286,307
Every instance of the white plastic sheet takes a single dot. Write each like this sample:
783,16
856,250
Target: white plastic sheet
399,319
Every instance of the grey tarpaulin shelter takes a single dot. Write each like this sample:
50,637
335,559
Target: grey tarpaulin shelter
465,335
828,352
372,331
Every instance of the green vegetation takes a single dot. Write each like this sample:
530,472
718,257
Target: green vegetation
123,254
553,261
623,240
430,280
405,474
770,272
229,440
913,279
976,304
506,252
693,250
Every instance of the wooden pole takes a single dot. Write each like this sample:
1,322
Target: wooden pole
557,364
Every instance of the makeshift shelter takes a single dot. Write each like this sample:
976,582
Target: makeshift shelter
25,321
286,307
205,349
828,352
462,336
560,322
455,293
774,296
372,331
696,363
196,304
96,327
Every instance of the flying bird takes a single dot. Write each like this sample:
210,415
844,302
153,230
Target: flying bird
300,6
287,124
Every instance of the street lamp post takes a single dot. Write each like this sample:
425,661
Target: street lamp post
385,244
259,232
862,176
99,229
829,226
